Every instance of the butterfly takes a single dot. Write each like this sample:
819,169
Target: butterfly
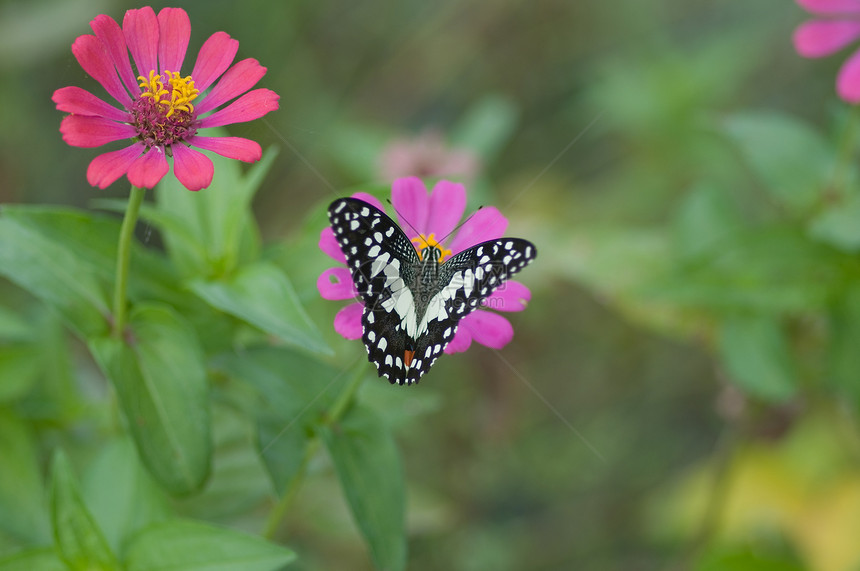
413,301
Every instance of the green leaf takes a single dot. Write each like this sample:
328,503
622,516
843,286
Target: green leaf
790,158
29,559
705,219
120,494
294,392
839,225
368,466
78,539
22,493
487,126
262,295
208,233
161,385
53,271
843,371
20,364
193,546
756,354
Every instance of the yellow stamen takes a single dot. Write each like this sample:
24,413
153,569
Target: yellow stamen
182,91
422,242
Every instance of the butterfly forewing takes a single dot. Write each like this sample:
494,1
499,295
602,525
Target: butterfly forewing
412,308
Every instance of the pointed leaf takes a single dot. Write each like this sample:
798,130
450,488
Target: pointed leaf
22,493
160,381
29,559
755,353
262,295
368,467
193,546
79,541
839,225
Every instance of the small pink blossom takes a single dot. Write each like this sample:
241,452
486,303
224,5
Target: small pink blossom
837,25
160,110
437,213
427,156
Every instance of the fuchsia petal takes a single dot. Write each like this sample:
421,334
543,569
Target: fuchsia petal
81,102
511,296
486,224
819,38
86,131
215,56
193,169
412,205
336,284
831,6
328,244
236,81
848,80
461,341
109,32
106,168
148,169
140,28
447,204
488,328
370,199
347,322
231,147
92,54
250,106
174,30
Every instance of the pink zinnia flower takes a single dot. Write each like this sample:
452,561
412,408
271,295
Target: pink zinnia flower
431,217
838,25
160,109
427,156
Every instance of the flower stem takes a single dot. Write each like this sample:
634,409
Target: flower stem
334,414
123,257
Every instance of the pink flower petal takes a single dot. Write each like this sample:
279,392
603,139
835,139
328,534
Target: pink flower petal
79,101
336,284
370,199
488,328
819,38
148,169
412,205
106,168
236,81
109,32
231,147
92,54
250,106
215,56
848,80
86,131
193,169
461,341
328,244
347,322
447,204
140,28
511,296
174,30
486,224
831,6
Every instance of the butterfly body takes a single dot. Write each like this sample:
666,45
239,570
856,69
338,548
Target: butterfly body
413,300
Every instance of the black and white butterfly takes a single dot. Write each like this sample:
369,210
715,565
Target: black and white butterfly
412,302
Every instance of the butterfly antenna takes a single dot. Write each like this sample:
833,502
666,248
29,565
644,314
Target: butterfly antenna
460,225
402,217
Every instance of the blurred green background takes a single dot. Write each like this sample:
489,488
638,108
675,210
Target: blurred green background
610,432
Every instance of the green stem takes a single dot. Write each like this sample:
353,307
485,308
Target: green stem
845,153
123,257
334,414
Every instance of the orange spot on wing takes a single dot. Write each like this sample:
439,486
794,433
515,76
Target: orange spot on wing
407,357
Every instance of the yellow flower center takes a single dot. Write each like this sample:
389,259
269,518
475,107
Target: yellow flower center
423,242
178,98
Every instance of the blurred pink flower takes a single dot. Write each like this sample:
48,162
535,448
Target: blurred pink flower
436,213
161,111
837,25
427,156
